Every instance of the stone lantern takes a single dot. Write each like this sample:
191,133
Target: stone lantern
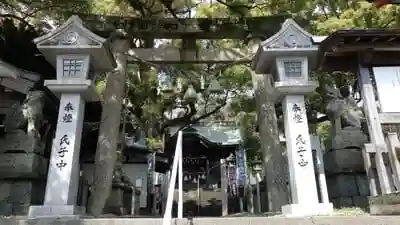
190,95
288,55
77,54
214,87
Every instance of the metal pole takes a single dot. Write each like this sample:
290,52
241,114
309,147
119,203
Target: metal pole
153,183
251,199
198,195
258,193
133,210
240,199
224,188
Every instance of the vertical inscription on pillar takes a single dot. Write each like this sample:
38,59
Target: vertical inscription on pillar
301,149
300,142
68,109
64,143
298,117
64,140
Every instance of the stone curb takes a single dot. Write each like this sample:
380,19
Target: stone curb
278,220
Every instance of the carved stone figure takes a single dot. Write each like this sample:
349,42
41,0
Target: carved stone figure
346,117
342,106
32,109
22,125
343,159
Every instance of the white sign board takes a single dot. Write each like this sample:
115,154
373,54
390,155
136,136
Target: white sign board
388,86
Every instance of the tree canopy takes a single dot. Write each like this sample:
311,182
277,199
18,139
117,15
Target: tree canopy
319,17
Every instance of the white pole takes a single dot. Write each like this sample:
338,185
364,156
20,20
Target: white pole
321,168
171,188
180,177
258,179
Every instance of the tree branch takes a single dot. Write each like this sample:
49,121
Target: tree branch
184,119
195,120
188,120
168,5
234,8
12,16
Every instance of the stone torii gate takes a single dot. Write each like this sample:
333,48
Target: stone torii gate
78,54
188,30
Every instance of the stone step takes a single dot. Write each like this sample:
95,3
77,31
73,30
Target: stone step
202,202
205,195
275,220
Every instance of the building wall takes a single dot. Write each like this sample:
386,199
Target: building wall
135,172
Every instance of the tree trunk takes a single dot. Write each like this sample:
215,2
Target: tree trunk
109,130
274,159
145,71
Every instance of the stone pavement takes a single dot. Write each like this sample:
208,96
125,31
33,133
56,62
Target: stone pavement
275,220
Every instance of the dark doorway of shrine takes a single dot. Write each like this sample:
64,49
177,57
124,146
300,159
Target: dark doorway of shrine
202,194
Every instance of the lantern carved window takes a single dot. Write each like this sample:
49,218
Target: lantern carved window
293,69
72,67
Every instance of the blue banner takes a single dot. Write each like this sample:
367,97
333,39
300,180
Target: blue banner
241,167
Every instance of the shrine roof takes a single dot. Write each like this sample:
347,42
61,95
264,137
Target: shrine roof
8,70
213,138
213,133
17,79
199,28
339,50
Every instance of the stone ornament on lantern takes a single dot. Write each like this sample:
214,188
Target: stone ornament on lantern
77,54
291,53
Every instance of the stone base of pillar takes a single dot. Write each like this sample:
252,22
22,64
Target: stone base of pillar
22,182
307,209
56,211
388,204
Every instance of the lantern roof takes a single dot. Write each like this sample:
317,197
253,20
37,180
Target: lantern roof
73,37
290,40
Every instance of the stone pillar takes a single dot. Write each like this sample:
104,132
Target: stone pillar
302,182
77,54
303,186
286,55
63,174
